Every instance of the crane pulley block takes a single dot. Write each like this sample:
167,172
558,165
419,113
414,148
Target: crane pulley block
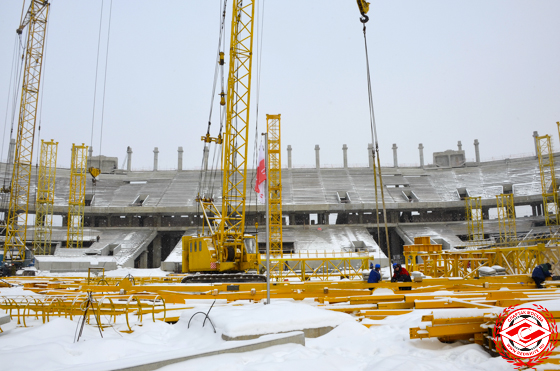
208,139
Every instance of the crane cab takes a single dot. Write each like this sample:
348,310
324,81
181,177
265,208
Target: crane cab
201,255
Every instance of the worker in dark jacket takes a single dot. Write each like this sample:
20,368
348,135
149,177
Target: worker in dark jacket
374,275
540,273
401,274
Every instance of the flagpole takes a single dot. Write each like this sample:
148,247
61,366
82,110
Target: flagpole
266,216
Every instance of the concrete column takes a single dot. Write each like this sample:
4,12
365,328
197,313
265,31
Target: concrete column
370,155
476,151
205,157
180,159
292,219
156,153
317,159
128,158
143,261
395,160
459,146
11,151
345,155
90,152
421,150
156,254
535,135
289,157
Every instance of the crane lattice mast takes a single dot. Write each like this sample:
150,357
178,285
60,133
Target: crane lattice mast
45,198
16,231
77,197
274,185
232,224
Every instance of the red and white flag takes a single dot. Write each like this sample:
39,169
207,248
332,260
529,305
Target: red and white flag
261,176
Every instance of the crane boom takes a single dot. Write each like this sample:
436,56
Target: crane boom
16,234
232,225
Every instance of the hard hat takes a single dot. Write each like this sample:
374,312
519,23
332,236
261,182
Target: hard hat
395,265
377,266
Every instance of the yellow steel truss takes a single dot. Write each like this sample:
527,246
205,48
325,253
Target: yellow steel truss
76,200
548,179
318,265
506,217
232,225
274,185
466,263
45,198
473,216
16,233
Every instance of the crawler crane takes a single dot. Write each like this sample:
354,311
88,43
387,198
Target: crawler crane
223,245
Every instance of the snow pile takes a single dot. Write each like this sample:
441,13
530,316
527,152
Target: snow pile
352,346
349,346
258,319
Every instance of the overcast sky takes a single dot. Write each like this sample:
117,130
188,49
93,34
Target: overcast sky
442,71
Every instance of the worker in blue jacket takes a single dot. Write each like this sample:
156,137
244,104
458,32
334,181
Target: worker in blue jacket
374,275
540,273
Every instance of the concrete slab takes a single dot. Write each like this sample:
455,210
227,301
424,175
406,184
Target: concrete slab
308,332
148,363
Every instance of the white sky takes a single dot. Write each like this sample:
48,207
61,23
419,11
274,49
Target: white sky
442,71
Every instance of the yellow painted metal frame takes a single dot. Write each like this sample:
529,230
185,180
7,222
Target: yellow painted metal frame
76,199
475,224
322,266
466,263
274,185
548,179
16,232
506,217
45,198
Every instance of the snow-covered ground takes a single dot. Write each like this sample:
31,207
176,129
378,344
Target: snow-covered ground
350,346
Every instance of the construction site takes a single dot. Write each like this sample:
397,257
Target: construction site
252,261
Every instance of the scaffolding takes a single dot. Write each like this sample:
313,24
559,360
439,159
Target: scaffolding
475,226
506,217
274,186
548,179
76,199
45,198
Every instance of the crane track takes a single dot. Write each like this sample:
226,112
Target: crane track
224,277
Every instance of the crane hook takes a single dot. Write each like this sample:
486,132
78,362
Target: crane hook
364,18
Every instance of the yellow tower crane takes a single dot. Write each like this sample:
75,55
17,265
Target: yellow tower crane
223,245
45,198
16,225
76,199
